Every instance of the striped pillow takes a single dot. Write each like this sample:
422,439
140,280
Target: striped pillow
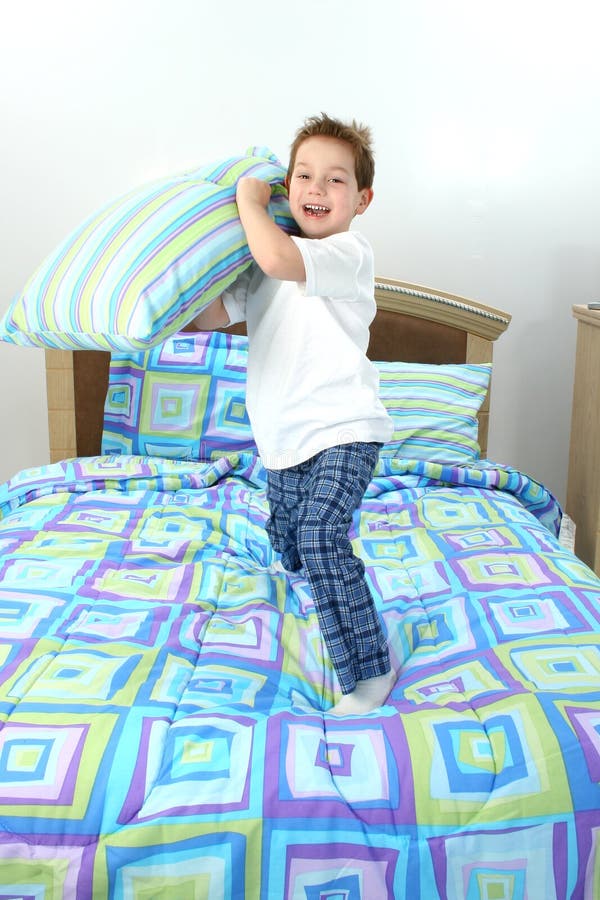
434,408
143,267
185,399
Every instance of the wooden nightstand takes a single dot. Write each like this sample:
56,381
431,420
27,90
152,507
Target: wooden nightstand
583,488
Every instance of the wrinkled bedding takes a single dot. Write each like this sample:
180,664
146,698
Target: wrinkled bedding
164,692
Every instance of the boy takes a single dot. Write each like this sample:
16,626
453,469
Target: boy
312,394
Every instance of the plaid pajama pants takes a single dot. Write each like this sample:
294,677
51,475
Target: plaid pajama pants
311,510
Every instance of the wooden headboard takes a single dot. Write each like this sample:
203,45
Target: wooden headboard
413,323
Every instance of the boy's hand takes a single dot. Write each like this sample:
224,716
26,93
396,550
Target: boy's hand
273,249
253,190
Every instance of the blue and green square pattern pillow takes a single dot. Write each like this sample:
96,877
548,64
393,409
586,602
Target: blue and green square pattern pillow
184,399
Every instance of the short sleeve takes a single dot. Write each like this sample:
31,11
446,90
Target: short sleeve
339,266
234,298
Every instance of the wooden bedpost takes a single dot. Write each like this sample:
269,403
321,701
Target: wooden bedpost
76,382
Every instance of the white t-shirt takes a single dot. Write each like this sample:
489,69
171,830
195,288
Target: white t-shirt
310,384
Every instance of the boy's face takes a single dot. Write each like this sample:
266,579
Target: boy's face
323,192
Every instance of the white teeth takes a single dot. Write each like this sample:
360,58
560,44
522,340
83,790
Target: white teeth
316,208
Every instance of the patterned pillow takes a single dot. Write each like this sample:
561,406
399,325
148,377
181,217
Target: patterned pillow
143,267
434,408
185,399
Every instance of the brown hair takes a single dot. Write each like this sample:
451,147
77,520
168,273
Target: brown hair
358,136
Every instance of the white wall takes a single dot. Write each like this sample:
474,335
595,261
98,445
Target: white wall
487,134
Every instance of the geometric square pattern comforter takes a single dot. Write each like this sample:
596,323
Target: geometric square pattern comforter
164,693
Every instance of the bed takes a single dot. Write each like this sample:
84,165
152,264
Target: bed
165,690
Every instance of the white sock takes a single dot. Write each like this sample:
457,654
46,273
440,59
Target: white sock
369,694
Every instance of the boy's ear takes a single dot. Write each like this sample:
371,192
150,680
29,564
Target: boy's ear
366,195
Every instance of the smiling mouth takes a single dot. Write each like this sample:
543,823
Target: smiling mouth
315,210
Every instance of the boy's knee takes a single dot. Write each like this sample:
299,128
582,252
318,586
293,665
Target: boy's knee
318,539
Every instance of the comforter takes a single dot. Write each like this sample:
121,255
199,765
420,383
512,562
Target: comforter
164,692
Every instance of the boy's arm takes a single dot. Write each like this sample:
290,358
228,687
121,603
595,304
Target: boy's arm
211,317
274,250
